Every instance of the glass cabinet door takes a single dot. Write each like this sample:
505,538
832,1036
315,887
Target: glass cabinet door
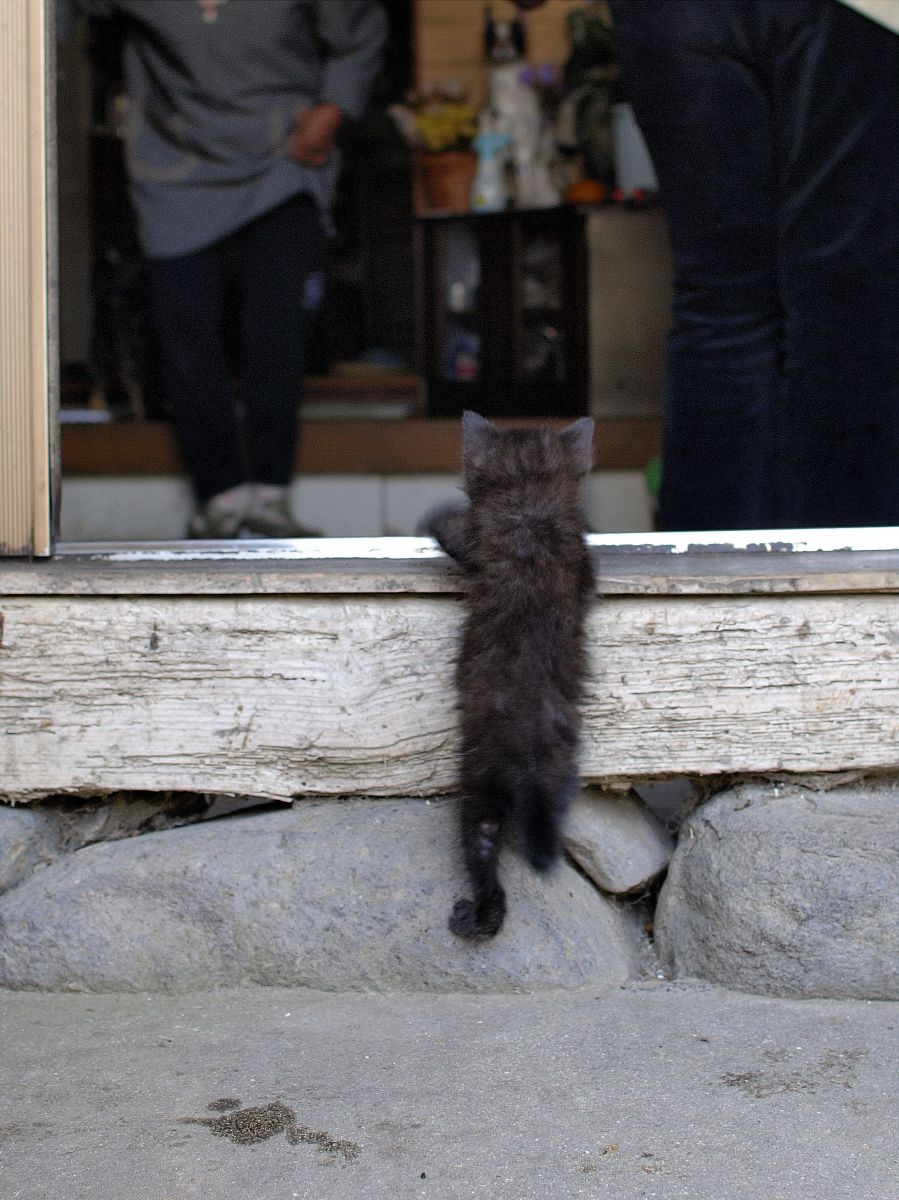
460,291
542,352
504,314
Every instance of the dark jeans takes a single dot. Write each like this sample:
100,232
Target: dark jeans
774,129
243,306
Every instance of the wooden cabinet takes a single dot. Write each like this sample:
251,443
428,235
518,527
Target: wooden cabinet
503,313
543,313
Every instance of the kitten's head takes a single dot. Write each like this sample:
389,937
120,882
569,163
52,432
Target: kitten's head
494,458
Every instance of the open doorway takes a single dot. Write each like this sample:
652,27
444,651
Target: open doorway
380,430
109,365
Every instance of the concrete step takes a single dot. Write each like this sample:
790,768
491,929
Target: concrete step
641,1092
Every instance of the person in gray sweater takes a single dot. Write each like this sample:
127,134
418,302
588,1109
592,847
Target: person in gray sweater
234,106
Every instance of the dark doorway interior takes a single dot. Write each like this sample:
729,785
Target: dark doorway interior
368,314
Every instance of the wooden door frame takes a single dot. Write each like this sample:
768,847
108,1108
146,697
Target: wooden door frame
29,450
29,470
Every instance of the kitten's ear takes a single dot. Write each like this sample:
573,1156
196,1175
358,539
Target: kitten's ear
578,439
478,435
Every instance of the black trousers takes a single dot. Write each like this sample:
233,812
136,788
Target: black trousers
240,310
774,129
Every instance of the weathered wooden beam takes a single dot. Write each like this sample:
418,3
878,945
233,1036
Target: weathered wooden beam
285,692
636,564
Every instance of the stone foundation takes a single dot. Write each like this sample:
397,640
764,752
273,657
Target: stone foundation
774,887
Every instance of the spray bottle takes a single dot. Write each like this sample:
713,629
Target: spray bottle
488,191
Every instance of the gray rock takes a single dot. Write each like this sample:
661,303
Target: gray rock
28,839
616,840
34,836
786,891
332,895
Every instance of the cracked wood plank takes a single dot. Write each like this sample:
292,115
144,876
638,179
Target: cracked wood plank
282,696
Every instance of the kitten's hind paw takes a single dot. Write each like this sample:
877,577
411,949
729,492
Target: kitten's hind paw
470,920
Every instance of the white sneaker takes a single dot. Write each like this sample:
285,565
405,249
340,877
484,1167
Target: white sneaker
223,515
269,515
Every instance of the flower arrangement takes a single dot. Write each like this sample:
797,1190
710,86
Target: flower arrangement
437,118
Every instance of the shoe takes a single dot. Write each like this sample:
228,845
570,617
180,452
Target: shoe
269,516
222,516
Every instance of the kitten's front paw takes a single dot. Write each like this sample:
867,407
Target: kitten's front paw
435,521
449,526
470,920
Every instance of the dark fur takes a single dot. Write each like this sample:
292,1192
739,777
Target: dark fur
521,661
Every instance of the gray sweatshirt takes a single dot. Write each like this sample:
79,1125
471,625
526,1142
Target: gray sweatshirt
214,88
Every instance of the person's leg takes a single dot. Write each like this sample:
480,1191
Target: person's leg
280,261
688,70
186,295
836,90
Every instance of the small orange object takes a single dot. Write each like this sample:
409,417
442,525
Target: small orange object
585,191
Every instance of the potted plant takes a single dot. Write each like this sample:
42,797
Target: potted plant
441,126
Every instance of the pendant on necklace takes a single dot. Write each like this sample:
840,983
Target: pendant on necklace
210,9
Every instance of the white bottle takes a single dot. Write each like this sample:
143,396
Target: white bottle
488,191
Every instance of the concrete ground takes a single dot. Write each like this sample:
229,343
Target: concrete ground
644,1091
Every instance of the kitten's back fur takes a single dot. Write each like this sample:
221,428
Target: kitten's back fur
521,661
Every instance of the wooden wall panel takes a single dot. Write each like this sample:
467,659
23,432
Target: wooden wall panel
449,37
629,288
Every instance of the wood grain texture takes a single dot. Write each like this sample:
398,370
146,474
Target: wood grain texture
313,695
24,256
